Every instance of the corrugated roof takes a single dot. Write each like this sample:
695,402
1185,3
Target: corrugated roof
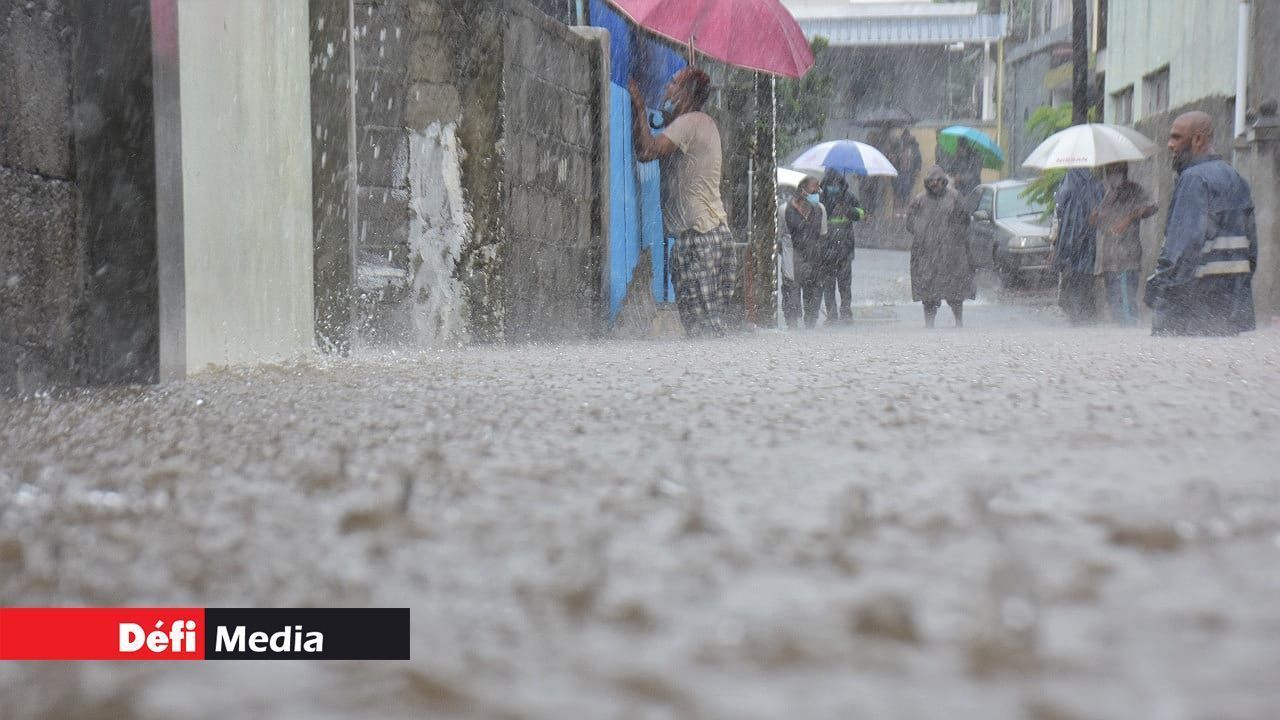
835,9
938,30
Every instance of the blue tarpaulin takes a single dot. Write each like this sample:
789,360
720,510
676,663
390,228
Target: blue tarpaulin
635,189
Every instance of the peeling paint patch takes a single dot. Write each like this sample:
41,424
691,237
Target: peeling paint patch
438,228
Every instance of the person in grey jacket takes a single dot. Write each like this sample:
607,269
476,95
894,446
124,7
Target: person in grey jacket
1118,249
806,220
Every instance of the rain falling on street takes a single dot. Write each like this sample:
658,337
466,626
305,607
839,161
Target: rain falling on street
1027,520
639,359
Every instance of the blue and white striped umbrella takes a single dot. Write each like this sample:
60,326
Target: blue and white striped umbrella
847,156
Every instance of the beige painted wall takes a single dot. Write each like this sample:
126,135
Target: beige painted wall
246,171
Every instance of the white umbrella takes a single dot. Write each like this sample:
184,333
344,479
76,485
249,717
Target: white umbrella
1091,145
790,178
846,156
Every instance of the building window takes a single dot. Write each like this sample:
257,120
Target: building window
1155,92
1122,106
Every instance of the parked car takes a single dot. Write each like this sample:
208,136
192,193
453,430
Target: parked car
1009,233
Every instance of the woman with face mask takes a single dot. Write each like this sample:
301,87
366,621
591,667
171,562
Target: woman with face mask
807,225
1119,249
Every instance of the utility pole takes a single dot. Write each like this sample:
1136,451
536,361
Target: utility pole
1080,62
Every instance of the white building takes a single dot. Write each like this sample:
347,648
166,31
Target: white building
1163,55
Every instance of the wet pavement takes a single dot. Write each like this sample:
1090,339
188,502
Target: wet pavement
1015,520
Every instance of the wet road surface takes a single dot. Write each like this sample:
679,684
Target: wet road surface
1017,520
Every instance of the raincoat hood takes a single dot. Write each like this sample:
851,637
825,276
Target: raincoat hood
936,173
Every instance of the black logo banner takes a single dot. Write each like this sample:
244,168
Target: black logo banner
306,634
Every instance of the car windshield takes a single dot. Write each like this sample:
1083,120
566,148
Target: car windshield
1011,204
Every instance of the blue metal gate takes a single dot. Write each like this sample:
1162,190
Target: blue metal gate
635,189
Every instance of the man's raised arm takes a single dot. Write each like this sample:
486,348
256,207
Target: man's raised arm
648,147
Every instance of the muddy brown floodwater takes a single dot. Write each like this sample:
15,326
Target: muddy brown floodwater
875,522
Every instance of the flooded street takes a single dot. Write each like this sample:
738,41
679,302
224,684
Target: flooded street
873,521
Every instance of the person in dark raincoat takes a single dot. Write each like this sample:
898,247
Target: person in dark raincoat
967,167
909,162
806,224
843,210
1203,282
941,268
1075,247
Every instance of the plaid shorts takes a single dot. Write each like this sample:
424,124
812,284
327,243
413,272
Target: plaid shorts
704,270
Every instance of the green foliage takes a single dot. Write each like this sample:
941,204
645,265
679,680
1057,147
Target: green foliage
1045,121
802,104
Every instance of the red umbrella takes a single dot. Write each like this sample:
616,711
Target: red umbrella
754,34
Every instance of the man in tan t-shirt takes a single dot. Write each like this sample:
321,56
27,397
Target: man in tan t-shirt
702,261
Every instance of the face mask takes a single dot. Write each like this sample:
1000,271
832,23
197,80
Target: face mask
815,198
831,189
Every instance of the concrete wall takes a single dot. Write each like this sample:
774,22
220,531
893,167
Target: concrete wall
228,242
331,172
77,220
1264,80
477,209
1195,38
113,117
554,253
40,256
246,182
1258,160
1026,66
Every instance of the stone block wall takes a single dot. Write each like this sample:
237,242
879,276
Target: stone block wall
35,97
553,255
77,219
477,208
39,251
382,272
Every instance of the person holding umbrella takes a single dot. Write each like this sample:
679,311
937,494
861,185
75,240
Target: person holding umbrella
1078,221
909,163
703,264
967,170
1075,247
843,210
941,268
970,151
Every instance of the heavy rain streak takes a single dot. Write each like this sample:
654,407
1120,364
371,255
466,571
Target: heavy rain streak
663,358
